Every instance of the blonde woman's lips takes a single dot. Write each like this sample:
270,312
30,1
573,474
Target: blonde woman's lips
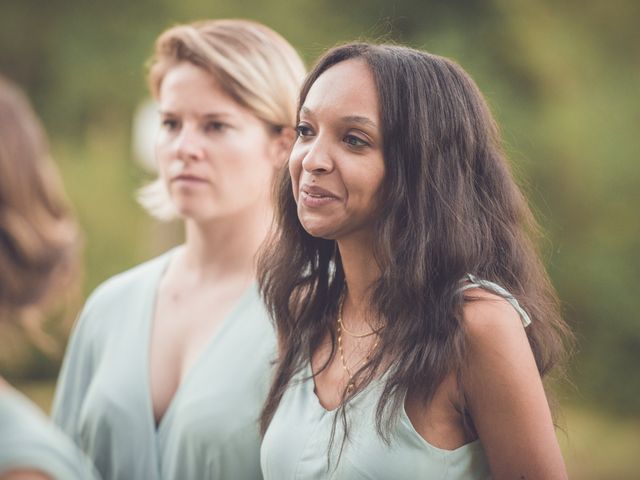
188,179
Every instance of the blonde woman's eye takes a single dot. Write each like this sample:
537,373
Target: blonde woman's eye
170,124
215,126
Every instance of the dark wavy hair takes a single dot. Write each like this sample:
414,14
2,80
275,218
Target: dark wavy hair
449,206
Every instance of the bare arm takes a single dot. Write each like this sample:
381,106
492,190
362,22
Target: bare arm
24,475
505,396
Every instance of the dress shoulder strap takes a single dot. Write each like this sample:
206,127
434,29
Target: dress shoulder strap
473,282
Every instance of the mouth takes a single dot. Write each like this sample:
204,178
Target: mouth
314,196
188,178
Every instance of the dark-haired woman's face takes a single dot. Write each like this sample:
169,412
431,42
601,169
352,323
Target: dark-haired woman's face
336,164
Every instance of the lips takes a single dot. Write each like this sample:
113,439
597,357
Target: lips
188,178
317,192
313,196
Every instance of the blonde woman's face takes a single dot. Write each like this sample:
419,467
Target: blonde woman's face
216,157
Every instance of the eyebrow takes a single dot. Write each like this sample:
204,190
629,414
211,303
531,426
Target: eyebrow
211,115
348,119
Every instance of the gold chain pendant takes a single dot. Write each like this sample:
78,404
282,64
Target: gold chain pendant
351,384
350,387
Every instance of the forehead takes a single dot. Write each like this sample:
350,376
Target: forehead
189,86
345,89
186,73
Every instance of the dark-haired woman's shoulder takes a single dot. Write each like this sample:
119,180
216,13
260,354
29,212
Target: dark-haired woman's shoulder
489,318
504,392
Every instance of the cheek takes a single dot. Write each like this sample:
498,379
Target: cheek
295,170
378,173
162,157
252,164
164,173
368,191
163,142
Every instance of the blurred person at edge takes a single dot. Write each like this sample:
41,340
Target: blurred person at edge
39,244
414,316
169,363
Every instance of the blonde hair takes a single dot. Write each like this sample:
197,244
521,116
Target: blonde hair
253,64
38,235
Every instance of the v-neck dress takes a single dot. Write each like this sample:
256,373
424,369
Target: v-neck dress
29,441
295,446
103,400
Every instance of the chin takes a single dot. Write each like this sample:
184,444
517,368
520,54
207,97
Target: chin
191,212
192,206
319,230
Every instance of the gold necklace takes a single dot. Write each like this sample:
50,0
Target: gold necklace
351,383
356,335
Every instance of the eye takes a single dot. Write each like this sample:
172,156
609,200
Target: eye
355,141
215,126
303,130
170,124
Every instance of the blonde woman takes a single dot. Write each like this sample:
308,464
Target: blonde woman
169,363
38,246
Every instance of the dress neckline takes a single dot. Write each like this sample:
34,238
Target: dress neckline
310,382
150,310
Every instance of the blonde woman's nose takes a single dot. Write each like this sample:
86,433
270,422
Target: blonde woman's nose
189,145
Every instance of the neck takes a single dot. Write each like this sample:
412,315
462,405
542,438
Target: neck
225,247
361,271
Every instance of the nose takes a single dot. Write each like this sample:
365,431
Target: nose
188,145
317,159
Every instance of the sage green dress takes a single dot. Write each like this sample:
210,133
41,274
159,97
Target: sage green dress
296,443
209,430
28,441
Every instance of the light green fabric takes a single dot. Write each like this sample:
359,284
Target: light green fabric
296,443
29,441
210,429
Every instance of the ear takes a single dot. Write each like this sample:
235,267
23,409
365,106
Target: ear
281,146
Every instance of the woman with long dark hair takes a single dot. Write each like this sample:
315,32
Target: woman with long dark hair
415,319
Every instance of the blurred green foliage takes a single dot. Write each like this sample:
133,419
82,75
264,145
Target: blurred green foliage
562,78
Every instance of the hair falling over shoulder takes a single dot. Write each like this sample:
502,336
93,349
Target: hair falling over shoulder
450,206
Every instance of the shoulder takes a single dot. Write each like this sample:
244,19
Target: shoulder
496,340
499,357
28,438
25,475
130,281
503,391
489,319
121,296
21,420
